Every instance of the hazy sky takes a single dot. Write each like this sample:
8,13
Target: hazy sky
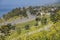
7,5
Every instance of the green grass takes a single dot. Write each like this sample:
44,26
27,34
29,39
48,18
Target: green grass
30,23
14,34
43,35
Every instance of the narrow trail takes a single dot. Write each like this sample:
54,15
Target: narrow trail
18,20
36,31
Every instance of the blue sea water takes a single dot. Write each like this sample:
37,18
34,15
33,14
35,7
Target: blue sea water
8,5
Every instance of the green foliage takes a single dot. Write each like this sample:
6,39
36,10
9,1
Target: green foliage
5,29
55,17
37,21
44,19
24,12
32,11
15,12
27,27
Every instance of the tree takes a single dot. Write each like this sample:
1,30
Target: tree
27,27
32,11
10,27
37,20
24,12
44,20
6,28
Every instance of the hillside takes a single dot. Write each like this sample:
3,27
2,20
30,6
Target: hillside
32,23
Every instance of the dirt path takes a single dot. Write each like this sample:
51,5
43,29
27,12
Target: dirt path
18,20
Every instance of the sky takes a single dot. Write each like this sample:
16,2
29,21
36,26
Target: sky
8,5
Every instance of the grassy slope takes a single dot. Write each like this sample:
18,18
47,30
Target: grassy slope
47,34
14,34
